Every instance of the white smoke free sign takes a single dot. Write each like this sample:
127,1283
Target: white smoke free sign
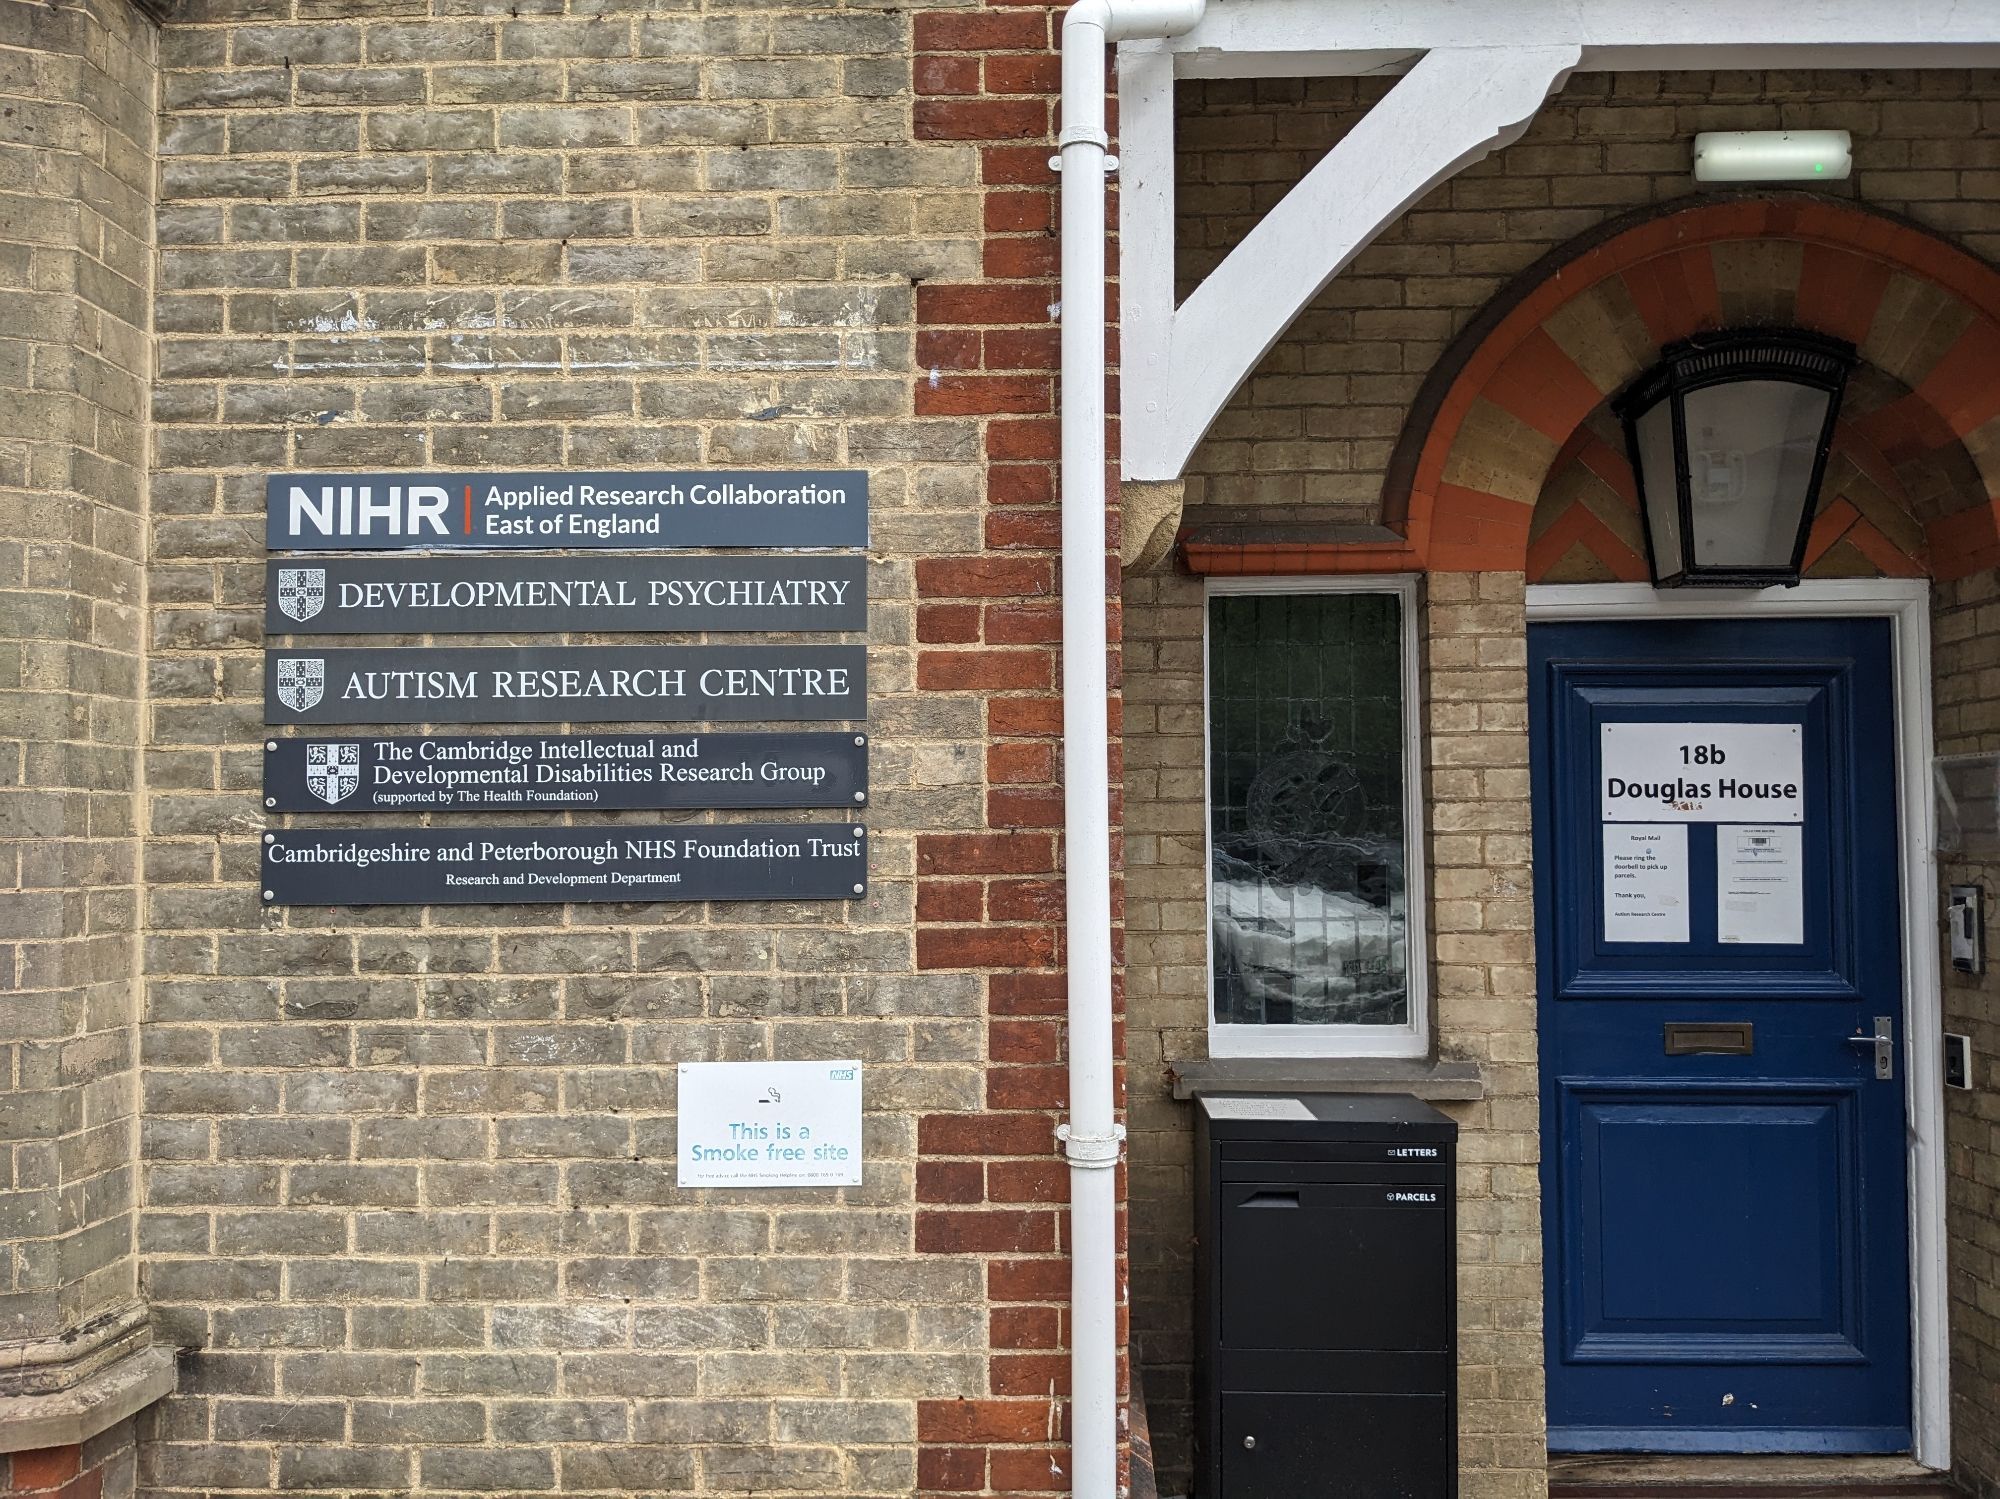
1701,772
770,1124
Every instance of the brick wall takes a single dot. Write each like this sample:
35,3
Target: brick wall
1306,441
1965,646
409,1188
1308,436
76,166
102,1468
988,629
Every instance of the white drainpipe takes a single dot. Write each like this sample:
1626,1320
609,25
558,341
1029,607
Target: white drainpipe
1091,1138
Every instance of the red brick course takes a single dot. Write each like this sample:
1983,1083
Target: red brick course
994,1184
52,1473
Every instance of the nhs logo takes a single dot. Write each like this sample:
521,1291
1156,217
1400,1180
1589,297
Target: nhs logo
338,512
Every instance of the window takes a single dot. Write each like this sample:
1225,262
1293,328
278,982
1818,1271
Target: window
1315,889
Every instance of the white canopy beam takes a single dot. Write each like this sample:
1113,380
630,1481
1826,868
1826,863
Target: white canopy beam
1299,38
1181,366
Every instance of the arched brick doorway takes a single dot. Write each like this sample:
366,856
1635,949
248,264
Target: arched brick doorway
1514,463
1510,461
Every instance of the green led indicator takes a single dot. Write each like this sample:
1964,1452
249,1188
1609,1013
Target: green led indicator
1819,166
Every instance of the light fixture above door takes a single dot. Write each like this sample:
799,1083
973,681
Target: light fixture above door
1728,437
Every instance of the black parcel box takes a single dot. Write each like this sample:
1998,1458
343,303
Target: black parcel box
1325,1296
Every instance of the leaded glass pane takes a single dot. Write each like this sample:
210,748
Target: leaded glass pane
1306,825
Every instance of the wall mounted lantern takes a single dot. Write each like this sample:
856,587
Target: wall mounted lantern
1728,437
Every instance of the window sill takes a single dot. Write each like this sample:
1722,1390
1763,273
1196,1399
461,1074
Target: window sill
1436,1081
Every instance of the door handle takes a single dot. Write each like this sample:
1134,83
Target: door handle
1270,1200
1883,1043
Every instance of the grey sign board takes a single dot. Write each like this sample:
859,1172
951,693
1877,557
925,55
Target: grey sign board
567,684
627,511
532,866
509,595
565,772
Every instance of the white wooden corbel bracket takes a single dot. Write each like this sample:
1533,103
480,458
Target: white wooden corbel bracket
1180,366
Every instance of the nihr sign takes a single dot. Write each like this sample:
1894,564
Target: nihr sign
523,866
566,684
565,772
507,595
622,510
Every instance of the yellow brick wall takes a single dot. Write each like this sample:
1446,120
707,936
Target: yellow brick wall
77,87
1965,625
1307,437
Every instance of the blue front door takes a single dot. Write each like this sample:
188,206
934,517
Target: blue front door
1717,941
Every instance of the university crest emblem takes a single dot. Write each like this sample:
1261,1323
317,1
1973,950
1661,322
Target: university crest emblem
333,770
301,681
301,592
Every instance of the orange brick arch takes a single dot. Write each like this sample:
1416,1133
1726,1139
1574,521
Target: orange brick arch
1522,396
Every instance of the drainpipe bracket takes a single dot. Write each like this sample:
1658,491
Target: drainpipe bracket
1092,1152
1083,135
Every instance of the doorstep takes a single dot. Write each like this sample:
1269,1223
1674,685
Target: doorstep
1748,1477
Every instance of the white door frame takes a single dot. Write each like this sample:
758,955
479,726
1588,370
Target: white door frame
1906,604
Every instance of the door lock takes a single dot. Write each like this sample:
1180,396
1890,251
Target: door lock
1883,1043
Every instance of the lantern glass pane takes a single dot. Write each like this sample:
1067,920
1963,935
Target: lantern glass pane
1655,434
1751,445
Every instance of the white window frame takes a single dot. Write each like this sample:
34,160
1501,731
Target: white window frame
1413,1037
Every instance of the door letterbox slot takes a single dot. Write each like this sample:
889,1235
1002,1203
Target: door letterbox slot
1711,1038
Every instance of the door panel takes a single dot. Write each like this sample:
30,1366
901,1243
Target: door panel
1281,1446
1347,1238
1667,1270
1725,1218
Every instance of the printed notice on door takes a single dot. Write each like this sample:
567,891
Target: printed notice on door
1646,882
1759,884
